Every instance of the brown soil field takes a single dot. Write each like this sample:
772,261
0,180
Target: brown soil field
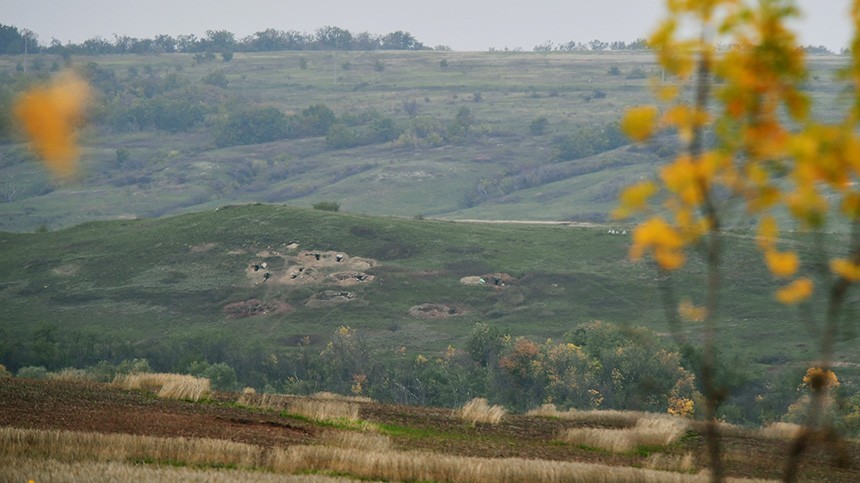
93,407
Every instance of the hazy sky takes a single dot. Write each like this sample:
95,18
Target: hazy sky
460,24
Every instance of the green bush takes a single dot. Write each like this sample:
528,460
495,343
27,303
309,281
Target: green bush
539,126
32,372
327,206
251,126
216,78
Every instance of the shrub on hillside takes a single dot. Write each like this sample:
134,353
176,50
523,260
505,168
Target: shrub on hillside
32,372
251,126
327,206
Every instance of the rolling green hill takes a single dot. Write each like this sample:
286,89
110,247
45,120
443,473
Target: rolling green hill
139,162
184,287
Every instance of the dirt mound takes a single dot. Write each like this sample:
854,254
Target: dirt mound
498,279
435,311
309,267
346,279
329,298
254,307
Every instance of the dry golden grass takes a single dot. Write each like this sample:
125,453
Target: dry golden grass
479,411
80,446
786,431
671,462
170,386
33,450
26,469
309,407
650,431
323,410
603,417
357,440
71,374
341,397
411,466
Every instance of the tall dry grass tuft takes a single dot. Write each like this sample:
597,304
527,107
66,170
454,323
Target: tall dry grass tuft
479,411
779,430
341,397
309,407
651,431
72,374
671,462
324,410
170,386
357,440
603,417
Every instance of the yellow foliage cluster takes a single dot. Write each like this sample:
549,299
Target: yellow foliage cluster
763,127
817,378
50,115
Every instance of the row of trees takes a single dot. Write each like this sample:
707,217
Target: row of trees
595,365
15,41
638,44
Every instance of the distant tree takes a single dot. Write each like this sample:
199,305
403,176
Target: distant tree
165,44
314,121
251,126
598,45
333,38
366,41
220,41
539,126
122,155
340,136
216,78
327,206
400,40
14,41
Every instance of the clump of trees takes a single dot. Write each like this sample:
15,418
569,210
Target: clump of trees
15,41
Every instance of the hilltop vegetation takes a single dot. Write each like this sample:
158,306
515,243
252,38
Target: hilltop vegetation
190,294
499,135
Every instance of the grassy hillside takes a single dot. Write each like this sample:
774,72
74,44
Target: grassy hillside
171,288
500,168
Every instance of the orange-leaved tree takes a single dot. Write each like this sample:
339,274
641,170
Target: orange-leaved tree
733,94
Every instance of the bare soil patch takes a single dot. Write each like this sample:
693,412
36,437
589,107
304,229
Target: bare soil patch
254,307
498,279
436,311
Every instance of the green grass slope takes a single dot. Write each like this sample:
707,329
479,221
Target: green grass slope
159,287
516,171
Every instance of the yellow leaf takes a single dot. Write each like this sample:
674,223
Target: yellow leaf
688,311
851,205
639,122
768,231
781,264
49,115
795,292
635,198
658,236
845,269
